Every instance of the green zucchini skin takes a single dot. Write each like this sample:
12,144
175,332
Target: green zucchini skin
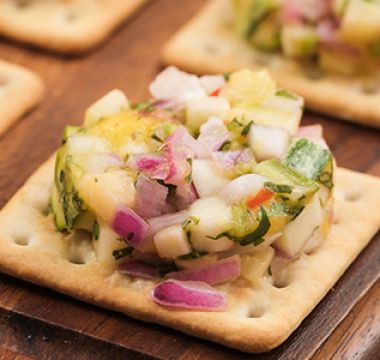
311,160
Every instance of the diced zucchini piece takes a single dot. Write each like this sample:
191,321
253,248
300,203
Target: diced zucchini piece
214,217
104,246
285,119
296,233
68,131
254,266
267,35
281,174
311,160
250,13
299,40
199,110
57,209
104,192
268,142
207,177
109,105
361,22
247,88
171,242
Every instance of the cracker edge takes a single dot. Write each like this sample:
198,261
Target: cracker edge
89,282
88,38
323,95
30,91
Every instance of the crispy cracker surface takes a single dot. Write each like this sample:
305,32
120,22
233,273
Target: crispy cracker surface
66,26
20,90
215,47
257,319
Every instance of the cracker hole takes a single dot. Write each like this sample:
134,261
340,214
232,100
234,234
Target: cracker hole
281,279
22,240
256,312
80,248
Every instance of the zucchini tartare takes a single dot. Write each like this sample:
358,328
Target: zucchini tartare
342,36
210,181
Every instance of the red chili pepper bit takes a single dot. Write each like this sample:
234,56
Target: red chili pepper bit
262,196
216,92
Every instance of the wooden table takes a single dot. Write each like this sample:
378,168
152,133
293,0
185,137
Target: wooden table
37,323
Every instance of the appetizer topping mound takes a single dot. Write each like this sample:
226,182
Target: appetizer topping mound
342,36
210,181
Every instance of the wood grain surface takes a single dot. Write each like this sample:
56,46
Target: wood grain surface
37,323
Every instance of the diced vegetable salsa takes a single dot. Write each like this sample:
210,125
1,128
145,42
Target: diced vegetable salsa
195,183
342,36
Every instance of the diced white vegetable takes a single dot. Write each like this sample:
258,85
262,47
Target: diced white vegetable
241,187
193,263
212,83
361,22
171,242
199,110
297,232
99,163
214,217
82,144
254,266
109,105
213,133
285,119
132,147
286,101
298,40
106,243
268,142
207,177
104,192
177,85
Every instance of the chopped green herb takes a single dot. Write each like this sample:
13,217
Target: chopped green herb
246,128
226,146
326,179
255,237
227,76
144,106
95,230
234,124
120,253
193,255
189,177
165,268
155,137
286,94
278,188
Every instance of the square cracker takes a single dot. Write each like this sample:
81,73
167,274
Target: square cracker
65,26
256,320
20,90
215,47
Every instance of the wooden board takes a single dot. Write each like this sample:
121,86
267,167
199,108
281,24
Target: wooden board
37,323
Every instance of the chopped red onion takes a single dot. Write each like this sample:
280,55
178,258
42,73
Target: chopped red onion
191,295
229,159
301,10
227,269
130,226
151,197
151,164
138,269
